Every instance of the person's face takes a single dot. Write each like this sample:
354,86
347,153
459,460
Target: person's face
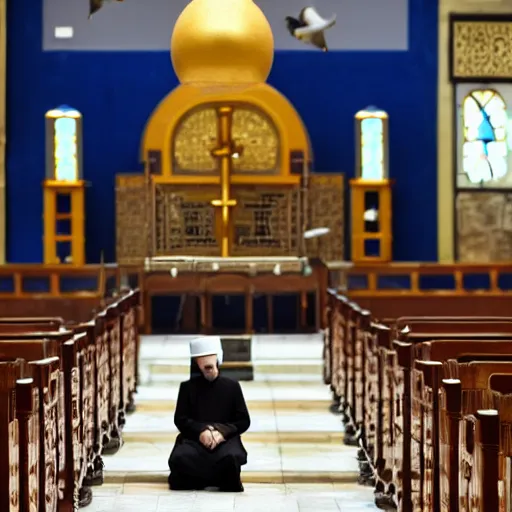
208,366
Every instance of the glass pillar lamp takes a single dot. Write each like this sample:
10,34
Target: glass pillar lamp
64,188
371,189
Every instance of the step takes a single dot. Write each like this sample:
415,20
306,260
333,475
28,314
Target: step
267,462
263,366
279,421
273,347
258,395
251,477
275,379
318,437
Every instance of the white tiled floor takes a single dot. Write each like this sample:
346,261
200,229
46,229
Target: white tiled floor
297,461
257,498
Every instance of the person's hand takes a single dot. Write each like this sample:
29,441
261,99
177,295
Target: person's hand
206,439
218,438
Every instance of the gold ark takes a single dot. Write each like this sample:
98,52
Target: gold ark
227,174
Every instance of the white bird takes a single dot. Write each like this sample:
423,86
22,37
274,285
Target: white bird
310,27
371,215
316,232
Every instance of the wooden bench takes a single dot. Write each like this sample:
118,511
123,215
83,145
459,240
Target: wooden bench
479,456
377,394
93,378
416,417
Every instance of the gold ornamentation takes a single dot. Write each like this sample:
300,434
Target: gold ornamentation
265,222
257,135
193,141
326,209
222,43
131,224
185,221
196,136
481,49
223,153
484,226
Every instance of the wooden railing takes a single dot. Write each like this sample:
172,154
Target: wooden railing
457,279
33,280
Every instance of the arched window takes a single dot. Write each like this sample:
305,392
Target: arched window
484,149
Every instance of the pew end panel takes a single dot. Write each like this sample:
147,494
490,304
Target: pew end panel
27,413
10,373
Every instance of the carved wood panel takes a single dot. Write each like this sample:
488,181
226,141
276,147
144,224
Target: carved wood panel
132,229
481,47
185,220
326,209
484,227
265,221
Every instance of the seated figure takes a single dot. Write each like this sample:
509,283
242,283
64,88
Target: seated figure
211,414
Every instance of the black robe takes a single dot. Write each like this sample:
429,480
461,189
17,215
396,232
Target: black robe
201,404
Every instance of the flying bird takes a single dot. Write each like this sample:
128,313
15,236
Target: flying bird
96,5
310,27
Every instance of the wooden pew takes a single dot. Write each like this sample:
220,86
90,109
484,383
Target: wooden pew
350,326
46,375
29,458
337,338
377,425
27,414
383,372
356,382
69,469
407,478
51,321
9,452
110,342
484,485
385,354
437,360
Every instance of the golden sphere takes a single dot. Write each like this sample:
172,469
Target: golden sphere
222,42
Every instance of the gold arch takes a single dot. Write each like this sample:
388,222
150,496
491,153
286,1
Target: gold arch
161,126
252,129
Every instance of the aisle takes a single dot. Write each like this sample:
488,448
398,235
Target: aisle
297,461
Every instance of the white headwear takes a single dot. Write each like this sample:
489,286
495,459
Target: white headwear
207,346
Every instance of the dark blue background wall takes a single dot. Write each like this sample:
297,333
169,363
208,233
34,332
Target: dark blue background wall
116,92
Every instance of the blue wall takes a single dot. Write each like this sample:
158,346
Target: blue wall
116,92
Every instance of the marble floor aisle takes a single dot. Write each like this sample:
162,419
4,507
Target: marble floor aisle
297,461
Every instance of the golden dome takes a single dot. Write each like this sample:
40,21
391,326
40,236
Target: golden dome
222,42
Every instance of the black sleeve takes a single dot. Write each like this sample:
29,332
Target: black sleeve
188,427
241,420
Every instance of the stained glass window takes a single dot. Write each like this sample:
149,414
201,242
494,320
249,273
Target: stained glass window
66,164
484,143
372,145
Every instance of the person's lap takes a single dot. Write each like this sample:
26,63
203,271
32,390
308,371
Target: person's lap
196,467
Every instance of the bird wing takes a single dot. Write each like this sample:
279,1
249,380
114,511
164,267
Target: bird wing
318,40
94,6
311,29
302,18
293,24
